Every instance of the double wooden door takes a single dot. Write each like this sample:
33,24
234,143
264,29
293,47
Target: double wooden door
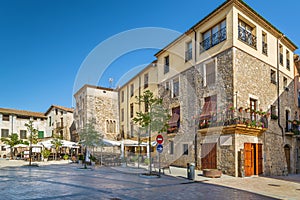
253,159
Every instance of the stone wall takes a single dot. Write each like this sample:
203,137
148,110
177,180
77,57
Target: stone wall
252,80
191,101
102,109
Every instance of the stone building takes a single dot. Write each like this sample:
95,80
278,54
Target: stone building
228,83
59,121
234,82
101,104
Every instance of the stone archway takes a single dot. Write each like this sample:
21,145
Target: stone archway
287,152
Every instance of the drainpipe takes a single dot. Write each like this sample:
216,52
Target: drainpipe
196,134
278,94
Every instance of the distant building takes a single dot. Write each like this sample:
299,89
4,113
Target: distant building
57,119
101,104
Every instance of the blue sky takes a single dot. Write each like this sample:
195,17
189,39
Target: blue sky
44,42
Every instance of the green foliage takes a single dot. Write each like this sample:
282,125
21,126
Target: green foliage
46,153
57,144
89,136
80,157
11,140
66,157
33,133
92,158
146,161
156,118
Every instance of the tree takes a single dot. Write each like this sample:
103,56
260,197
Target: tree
57,144
155,119
33,137
12,140
90,137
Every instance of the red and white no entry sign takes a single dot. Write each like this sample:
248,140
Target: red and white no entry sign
159,139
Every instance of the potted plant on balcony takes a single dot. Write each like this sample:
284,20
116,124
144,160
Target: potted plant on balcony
273,116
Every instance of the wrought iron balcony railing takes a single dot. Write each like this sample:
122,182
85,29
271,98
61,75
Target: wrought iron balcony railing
213,40
247,37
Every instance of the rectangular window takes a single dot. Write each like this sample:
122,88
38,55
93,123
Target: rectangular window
4,132
171,147
213,36
131,110
131,90
210,74
131,130
253,108
284,82
3,148
185,149
264,44
41,134
166,64
246,34
122,114
23,134
50,122
288,67
189,51
122,96
176,87
273,111
280,54
273,77
122,132
167,86
5,117
288,124
146,80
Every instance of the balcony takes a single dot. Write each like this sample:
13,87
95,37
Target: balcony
247,37
238,125
213,40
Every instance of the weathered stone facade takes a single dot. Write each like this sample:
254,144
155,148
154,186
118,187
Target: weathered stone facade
191,101
238,73
102,105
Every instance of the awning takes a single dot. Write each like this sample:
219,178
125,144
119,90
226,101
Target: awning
111,142
21,146
174,119
208,109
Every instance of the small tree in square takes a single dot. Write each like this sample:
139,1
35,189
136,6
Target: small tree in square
155,118
33,137
90,137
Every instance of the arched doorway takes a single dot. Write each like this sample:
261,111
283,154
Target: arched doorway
287,152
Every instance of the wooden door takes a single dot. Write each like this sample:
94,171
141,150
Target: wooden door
209,156
259,159
288,157
248,156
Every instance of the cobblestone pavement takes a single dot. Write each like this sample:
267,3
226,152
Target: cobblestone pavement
71,181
